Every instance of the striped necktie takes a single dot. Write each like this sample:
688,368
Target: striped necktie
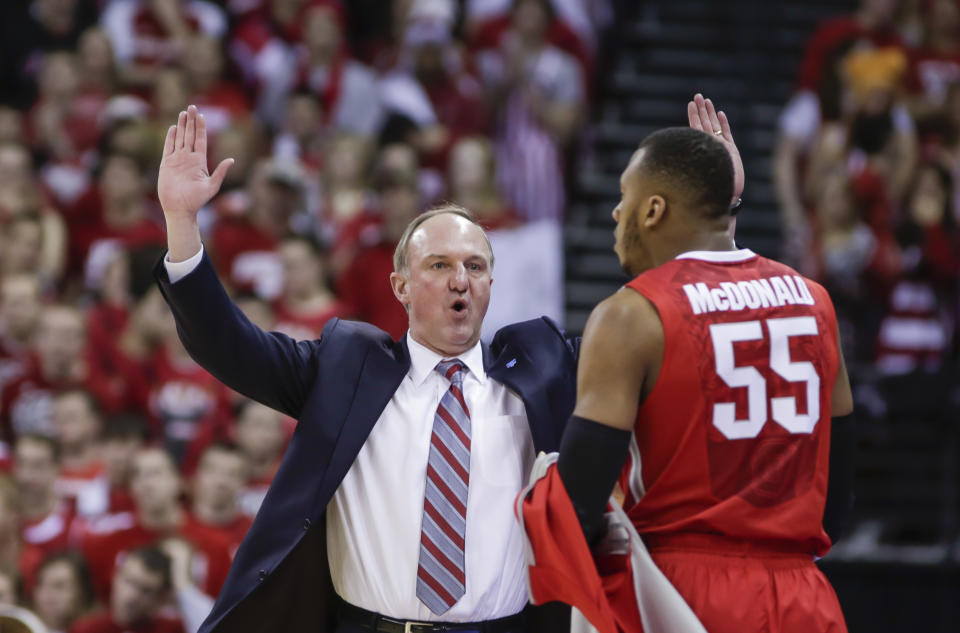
441,579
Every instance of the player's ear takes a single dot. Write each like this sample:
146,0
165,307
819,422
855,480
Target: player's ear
653,211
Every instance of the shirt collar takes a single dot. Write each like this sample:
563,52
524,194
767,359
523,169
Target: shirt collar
423,361
719,257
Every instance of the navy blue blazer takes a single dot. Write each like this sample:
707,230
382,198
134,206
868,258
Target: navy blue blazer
336,387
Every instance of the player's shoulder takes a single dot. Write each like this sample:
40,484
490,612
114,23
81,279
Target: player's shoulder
626,315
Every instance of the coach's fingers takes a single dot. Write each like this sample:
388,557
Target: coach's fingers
181,131
216,178
200,145
169,141
191,135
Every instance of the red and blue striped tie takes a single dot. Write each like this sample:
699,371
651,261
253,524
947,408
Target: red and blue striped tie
441,578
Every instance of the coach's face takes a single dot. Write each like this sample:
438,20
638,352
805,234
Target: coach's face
446,289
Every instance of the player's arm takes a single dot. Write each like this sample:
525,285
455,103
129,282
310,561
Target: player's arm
843,451
620,355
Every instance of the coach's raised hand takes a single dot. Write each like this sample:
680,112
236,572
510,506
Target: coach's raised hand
184,185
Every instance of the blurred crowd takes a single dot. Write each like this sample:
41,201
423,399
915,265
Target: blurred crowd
129,475
866,168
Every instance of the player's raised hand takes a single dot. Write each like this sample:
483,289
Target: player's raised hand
704,117
184,184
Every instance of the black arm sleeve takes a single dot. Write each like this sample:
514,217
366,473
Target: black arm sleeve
840,496
591,458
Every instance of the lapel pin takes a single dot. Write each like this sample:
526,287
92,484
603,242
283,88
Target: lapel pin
511,363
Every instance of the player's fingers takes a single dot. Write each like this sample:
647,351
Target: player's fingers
181,131
725,125
704,116
191,135
200,145
712,115
170,140
693,116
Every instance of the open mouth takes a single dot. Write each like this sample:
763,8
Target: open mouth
459,305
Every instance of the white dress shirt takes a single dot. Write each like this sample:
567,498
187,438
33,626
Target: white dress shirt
373,520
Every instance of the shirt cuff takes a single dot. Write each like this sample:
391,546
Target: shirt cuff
178,270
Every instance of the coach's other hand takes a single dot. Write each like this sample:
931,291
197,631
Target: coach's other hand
184,185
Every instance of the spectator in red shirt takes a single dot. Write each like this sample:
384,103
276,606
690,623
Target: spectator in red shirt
222,101
60,361
935,63
33,236
20,305
64,591
260,435
156,488
141,587
243,244
432,90
77,421
124,435
150,34
307,303
117,211
46,518
365,285
217,484
19,558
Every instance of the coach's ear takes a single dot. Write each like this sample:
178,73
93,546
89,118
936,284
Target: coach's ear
653,212
400,289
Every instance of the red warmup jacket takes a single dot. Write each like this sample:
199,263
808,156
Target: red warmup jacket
617,587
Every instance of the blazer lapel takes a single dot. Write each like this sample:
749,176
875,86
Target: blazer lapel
382,372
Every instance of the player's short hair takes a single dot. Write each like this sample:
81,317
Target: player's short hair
401,262
694,162
156,561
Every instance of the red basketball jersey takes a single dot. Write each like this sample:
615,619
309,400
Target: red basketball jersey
734,438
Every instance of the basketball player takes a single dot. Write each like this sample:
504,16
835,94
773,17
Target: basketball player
708,385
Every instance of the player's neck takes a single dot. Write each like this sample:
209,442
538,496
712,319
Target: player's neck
719,240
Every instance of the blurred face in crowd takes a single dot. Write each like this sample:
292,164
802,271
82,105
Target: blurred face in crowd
929,200
257,310
156,483
429,64
120,180
303,116
272,203
302,268
446,288
233,142
20,305
879,12
170,93
348,160
35,468
137,592
75,419
152,318
836,205
59,77
11,125
60,341
8,589
57,596
321,32
203,62
259,432
284,11
95,54
530,18
17,191
20,246
219,480
118,454
9,512
470,166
